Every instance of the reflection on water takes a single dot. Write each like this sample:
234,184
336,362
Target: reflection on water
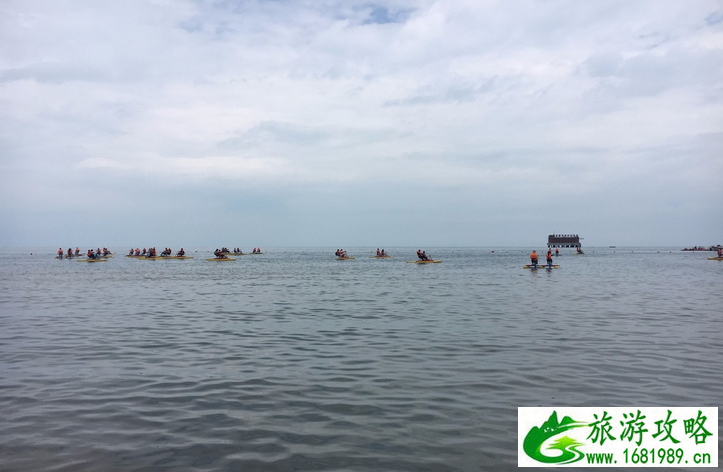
295,361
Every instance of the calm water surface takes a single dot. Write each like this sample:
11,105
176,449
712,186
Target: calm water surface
293,361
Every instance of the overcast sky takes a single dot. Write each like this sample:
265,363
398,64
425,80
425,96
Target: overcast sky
352,123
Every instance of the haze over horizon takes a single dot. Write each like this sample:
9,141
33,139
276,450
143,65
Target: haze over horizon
346,123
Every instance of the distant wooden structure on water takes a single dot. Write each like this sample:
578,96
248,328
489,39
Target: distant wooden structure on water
563,240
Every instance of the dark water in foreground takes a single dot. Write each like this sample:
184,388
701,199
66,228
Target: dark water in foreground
293,361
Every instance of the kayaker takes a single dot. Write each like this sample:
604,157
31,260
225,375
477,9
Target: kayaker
533,258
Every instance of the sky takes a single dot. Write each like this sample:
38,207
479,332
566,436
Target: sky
359,123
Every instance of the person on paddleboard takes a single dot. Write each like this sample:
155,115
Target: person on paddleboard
533,258
549,258
70,253
720,252
557,252
384,253
60,253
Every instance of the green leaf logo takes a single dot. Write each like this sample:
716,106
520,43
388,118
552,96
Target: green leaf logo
537,436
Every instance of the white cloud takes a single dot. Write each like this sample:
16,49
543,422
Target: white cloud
484,96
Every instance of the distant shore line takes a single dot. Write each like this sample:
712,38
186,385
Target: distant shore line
369,248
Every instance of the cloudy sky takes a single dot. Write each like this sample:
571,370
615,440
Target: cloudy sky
352,123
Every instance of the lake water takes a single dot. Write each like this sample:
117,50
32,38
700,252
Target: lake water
293,361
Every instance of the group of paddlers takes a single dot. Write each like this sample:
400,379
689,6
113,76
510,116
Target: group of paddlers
151,252
70,254
222,253
341,253
381,253
90,253
238,252
168,252
548,257
98,254
422,255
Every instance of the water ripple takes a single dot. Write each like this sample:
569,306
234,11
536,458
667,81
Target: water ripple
292,361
